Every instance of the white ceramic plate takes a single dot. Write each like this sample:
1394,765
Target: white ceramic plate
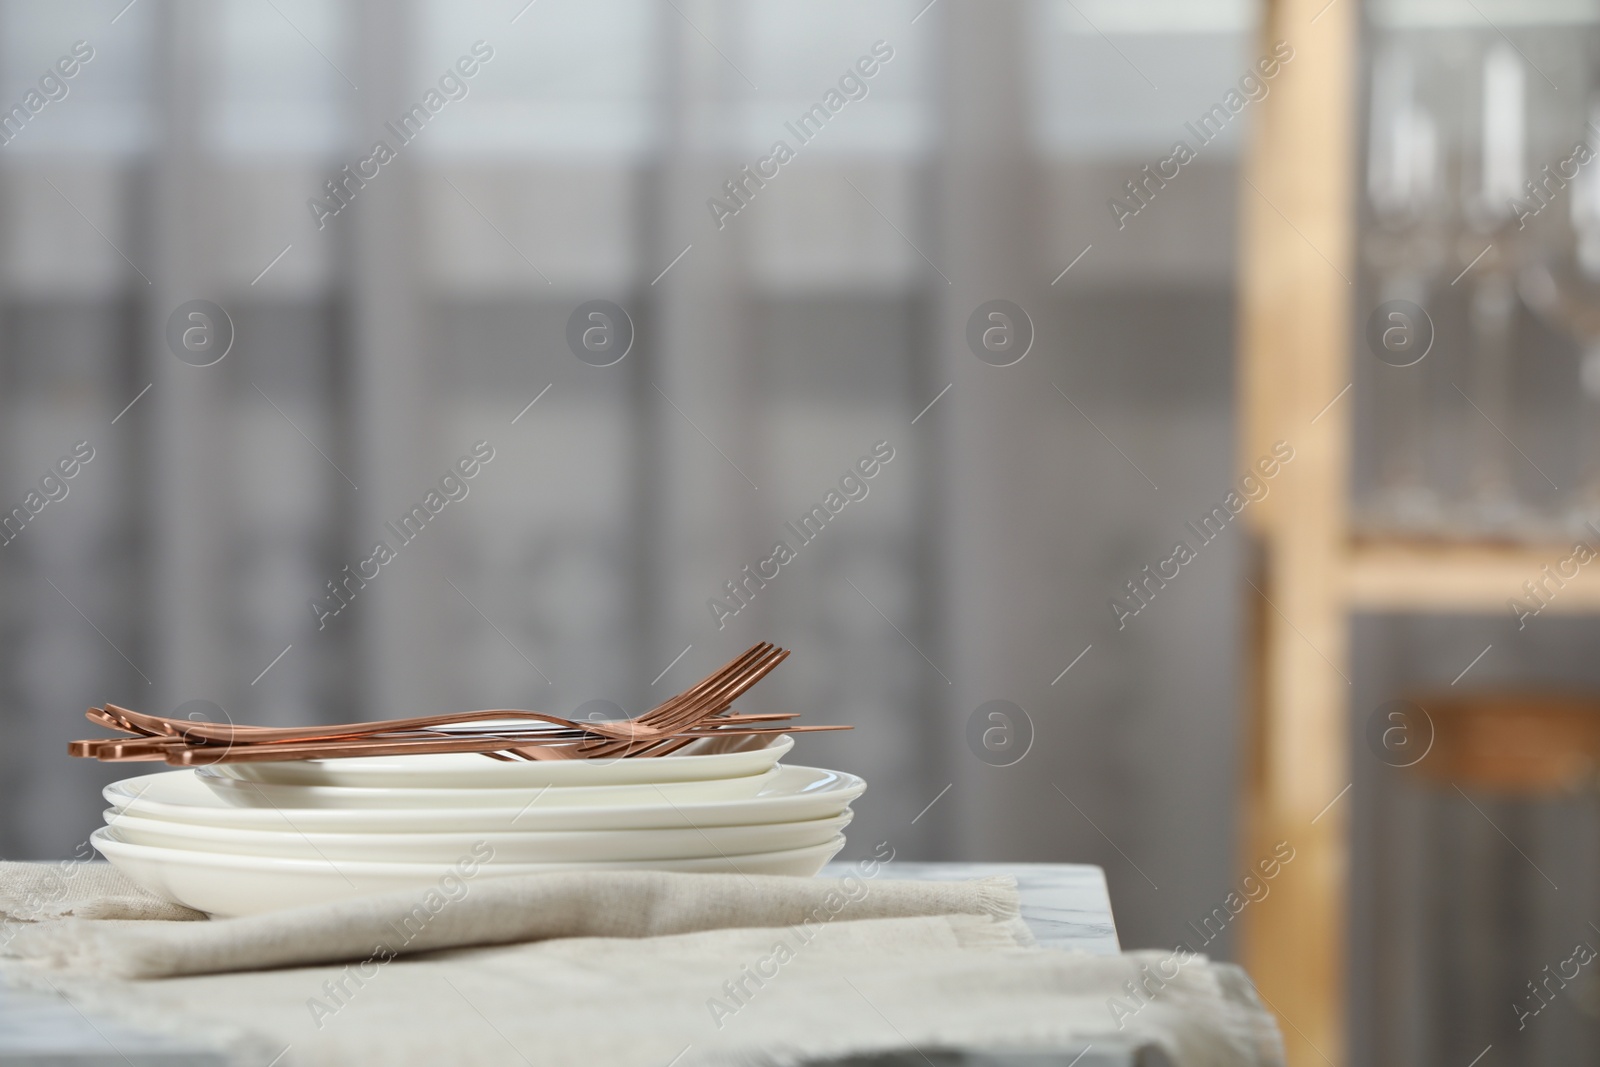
793,794
226,885
274,795
468,770
538,846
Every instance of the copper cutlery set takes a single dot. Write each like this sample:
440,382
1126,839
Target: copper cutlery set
702,711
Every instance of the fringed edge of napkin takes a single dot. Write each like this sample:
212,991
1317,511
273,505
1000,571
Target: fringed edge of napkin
998,897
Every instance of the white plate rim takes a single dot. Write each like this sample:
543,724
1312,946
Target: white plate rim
385,771
404,797
333,842
811,787
293,865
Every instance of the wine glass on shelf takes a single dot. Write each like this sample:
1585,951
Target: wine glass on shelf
1404,248
1489,249
1562,287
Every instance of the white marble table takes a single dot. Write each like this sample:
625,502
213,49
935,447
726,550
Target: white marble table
1065,905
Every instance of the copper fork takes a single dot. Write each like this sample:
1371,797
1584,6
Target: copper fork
700,711
626,729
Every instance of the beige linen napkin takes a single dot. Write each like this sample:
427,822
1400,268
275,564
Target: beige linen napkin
640,969
716,997
494,911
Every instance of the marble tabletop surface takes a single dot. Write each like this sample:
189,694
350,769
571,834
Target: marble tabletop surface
1065,905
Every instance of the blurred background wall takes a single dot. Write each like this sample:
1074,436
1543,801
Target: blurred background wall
372,348
370,353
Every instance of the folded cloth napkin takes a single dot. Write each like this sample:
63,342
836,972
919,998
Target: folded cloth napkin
644,968
536,907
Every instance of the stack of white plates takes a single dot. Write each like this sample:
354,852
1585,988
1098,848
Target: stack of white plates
244,838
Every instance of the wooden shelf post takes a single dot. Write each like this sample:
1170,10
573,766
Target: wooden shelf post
1296,294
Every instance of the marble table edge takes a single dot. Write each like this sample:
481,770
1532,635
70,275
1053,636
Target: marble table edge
1066,905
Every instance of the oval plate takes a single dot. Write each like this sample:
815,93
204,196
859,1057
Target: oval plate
516,846
226,886
793,794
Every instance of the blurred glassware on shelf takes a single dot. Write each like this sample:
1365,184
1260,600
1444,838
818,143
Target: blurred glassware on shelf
1562,287
1404,249
1492,505
1482,200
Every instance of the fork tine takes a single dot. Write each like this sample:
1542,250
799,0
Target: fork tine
714,697
732,667
657,722
674,708
709,702
724,695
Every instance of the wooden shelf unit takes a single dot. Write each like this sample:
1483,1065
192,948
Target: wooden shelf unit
1404,576
1298,220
